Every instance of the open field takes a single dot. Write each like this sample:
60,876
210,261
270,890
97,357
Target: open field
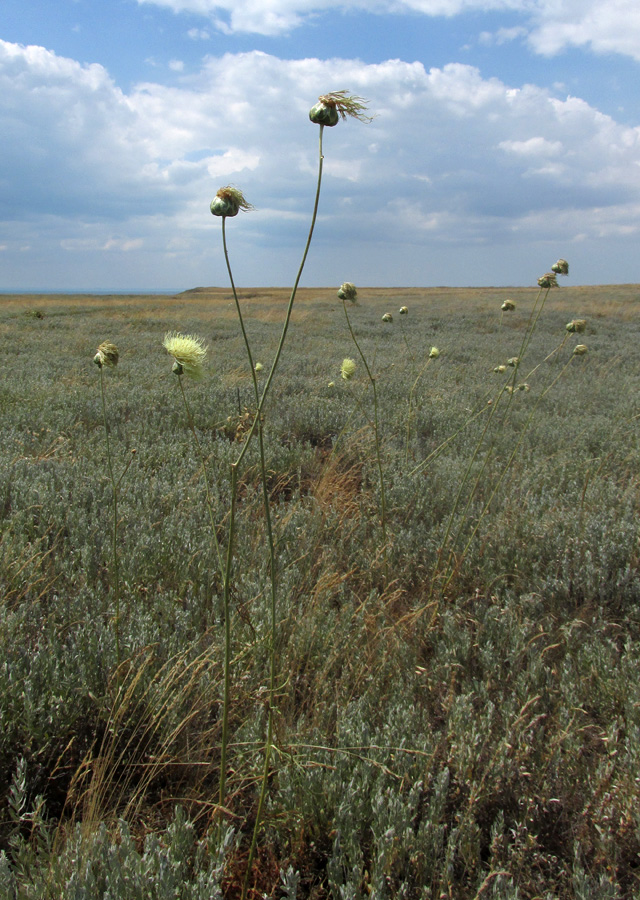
458,710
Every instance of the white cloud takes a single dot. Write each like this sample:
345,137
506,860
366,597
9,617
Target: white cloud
176,65
602,25
452,160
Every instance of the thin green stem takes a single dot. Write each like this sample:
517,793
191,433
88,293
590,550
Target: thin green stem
203,461
257,422
376,432
226,601
114,526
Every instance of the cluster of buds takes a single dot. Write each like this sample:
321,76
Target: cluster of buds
387,317
508,306
335,105
228,202
106,355
576,326
347,291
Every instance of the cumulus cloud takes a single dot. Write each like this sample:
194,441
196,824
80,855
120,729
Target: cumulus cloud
452,161
551,25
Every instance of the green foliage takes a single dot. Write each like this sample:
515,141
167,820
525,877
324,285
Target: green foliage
466,724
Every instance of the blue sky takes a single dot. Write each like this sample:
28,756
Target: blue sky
507,134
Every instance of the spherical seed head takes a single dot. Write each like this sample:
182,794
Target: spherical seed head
561,267
107,355
228,202
548,280
576,326
508,305
347,369
434,353
335,105
347,291
387,317
403,310
580,350
188,351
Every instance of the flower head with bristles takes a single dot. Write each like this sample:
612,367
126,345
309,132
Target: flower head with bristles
347,291
347,369
508,306
548,280
188,351
107,355
387,317
561,267
335,105
576,326
403,310
580,350
229,201
258,367
434,353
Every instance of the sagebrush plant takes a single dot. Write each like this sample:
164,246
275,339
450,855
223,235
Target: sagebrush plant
486,748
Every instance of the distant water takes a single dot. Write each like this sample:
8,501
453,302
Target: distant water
98,293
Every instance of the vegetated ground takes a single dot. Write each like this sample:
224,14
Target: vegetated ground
458,712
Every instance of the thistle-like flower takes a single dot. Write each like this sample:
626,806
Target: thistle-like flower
347,291
259,367
508,305
347,369
107,355
188,352
228,202
434,353
561,267
548,280
338,104
576,326
403,310
580,350
387,317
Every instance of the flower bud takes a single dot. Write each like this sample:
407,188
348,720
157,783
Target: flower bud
576,326
524,386
508,305
403,310
387,317
347,291
335,105
500,370
561,267
347,369
548,280
107,355
513,362
434,353
228,202
580,350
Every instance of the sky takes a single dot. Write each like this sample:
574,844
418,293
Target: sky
506,134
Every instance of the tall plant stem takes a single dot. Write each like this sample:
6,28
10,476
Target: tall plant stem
257,422
203,461
226,600
376,432
114,524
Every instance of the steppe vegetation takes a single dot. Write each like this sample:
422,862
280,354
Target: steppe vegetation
457,707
